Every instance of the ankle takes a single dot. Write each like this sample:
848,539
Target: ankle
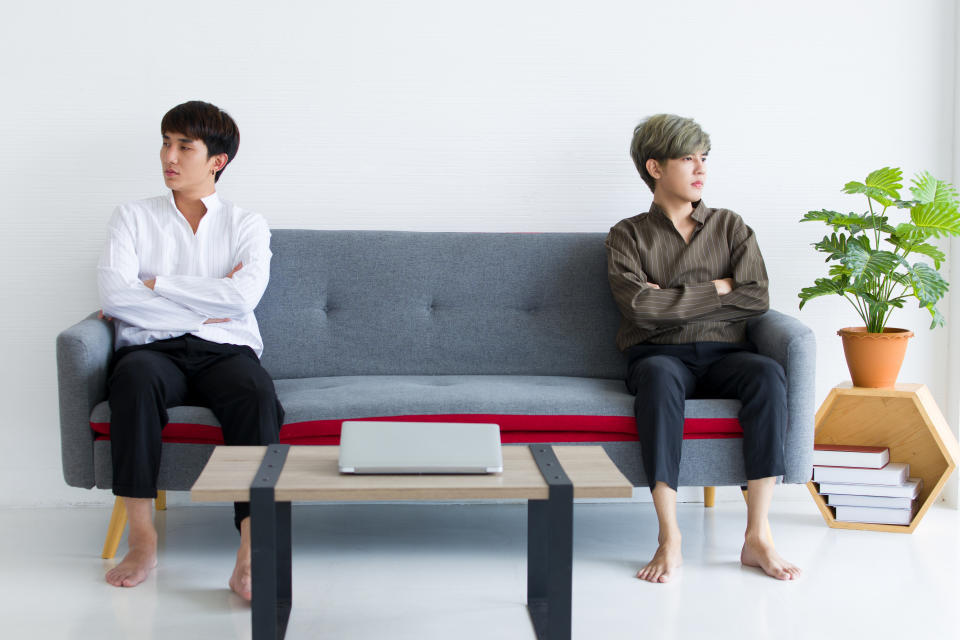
669,536
756,537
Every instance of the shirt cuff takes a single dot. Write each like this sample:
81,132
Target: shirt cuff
707,293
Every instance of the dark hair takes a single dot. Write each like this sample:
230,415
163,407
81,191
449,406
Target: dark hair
200,120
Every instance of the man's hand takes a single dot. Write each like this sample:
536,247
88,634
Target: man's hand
149,284
102,316
653,285
723,285
229,275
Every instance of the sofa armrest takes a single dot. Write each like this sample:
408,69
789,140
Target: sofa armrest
83,358
793,345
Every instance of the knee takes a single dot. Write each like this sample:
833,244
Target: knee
767,376
257,390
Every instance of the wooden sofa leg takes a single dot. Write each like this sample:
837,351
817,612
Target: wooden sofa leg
709,496
161,501
118,522
769,530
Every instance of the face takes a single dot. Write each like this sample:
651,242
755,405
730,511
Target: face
681,178
185,164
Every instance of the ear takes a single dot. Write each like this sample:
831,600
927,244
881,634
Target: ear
219,161
654,169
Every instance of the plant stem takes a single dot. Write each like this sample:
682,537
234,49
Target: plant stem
856,305
873,223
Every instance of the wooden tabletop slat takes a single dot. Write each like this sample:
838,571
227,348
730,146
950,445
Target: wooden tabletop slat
311,474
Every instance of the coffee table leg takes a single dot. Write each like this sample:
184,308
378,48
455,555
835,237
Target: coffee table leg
271,552
550,551
284,560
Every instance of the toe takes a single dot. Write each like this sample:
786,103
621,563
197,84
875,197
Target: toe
117,577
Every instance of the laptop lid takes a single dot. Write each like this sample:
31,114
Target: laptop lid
419,447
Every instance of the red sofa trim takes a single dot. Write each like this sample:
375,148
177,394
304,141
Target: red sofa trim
513,428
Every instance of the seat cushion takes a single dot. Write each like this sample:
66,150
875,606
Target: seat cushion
527,408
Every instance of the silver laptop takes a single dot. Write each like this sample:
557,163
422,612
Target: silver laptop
419,447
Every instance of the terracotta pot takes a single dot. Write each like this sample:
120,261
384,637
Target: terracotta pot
874,359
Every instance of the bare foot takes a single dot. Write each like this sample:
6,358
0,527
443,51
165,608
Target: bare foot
665,560
241,581
758,552
137,564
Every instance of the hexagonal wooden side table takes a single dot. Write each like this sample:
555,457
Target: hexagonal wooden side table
904,418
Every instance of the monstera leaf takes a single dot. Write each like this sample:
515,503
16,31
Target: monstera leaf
824,287
867,263
928,189
937,218
938,319
882,185
924,248
852,222
928,285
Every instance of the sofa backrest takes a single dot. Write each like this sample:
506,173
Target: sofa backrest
346,303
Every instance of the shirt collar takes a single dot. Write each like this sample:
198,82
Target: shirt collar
700,211
212,202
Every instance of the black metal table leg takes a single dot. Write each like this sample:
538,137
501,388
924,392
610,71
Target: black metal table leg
550,550
270,549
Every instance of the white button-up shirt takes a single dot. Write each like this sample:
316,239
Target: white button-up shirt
151,239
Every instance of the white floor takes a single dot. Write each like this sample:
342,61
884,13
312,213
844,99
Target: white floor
458,571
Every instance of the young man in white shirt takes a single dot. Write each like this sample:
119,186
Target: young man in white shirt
179,278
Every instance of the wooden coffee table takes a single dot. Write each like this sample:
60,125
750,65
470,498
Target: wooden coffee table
273,477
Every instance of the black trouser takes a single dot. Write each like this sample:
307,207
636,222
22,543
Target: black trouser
663,376
147,379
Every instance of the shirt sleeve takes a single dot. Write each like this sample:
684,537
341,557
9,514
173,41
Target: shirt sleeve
645,306
227,297
750,296
124,296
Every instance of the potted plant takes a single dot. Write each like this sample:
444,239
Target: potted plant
873,268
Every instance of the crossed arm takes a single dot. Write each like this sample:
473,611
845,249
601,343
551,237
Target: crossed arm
740,295
152,282
723,285
181,303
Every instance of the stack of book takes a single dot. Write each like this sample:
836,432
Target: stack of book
862,485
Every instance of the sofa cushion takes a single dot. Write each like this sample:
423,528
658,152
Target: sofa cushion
527,408
346,303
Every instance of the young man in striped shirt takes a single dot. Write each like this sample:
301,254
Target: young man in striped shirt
179,278
686,278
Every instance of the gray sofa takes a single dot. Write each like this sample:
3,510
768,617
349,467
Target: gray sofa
484,326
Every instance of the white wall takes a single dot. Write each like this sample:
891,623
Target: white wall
496,116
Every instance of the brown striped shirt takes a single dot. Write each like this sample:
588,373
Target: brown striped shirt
686,308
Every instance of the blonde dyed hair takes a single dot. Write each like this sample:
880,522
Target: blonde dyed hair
665,136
